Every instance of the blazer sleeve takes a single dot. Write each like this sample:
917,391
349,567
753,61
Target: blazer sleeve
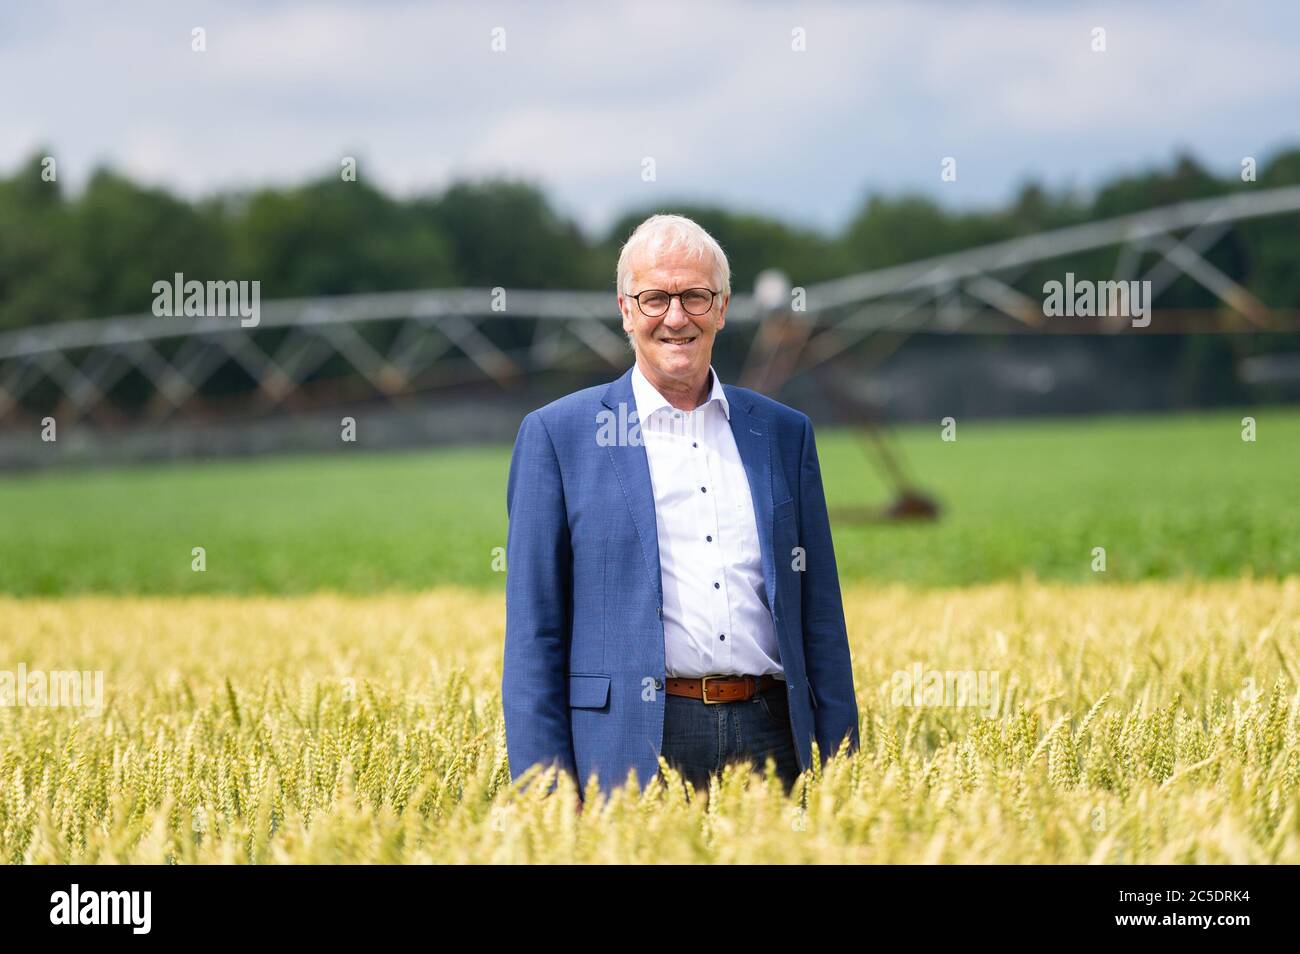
539,588
826,640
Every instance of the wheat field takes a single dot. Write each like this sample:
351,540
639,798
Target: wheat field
1126,723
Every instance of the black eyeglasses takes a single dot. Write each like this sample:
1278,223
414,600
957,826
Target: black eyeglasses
695,301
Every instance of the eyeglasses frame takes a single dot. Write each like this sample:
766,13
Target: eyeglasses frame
678,295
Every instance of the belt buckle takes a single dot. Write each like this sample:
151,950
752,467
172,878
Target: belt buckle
704,690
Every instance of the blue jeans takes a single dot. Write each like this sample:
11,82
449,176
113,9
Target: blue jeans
700,738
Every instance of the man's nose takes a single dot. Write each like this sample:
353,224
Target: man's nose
676,316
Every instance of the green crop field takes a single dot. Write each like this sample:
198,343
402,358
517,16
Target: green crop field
1165,496
328,690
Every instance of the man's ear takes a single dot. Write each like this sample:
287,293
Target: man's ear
722,311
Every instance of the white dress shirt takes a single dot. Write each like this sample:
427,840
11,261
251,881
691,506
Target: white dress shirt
716,610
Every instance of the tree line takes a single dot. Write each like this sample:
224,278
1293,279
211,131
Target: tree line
98,252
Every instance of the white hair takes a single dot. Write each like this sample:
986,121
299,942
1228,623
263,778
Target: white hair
669,232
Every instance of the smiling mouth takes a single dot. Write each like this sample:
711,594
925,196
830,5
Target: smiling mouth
677,341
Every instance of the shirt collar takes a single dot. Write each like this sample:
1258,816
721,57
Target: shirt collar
649,400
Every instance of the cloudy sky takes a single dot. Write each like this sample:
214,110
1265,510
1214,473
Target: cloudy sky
583,93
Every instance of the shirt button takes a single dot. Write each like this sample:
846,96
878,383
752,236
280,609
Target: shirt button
693,444
717,586
722,636
704,490
710,539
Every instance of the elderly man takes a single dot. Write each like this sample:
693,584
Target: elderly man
671,585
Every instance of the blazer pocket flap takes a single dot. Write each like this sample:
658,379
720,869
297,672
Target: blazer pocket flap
588,691
783,509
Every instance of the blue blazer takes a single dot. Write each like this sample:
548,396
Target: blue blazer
584,670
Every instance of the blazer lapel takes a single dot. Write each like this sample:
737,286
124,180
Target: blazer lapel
633,469
751,433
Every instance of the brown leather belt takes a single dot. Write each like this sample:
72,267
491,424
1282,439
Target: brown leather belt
720,688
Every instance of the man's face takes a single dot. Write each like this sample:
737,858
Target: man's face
677,345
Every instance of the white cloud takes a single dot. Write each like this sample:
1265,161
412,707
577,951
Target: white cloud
584,91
